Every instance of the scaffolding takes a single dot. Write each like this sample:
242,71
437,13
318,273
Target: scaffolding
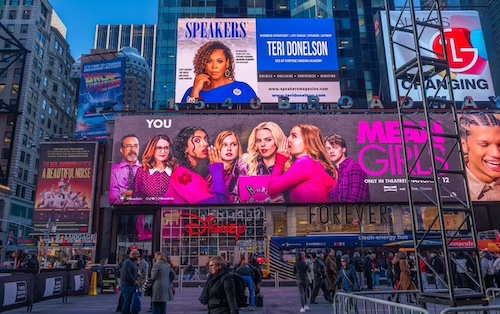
441,126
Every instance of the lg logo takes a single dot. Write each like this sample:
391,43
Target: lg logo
465,50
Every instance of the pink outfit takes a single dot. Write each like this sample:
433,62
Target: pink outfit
306,179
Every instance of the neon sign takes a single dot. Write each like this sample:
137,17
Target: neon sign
197,226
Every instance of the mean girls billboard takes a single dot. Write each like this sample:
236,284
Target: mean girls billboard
251,60
272,159
65,187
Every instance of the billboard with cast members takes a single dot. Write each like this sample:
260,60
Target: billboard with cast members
250,60
101,89
65,188
273,159
465,46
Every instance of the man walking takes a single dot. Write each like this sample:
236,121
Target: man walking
129,279
319,278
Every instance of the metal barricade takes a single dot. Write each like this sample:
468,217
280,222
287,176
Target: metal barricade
492,309
493,295
348,303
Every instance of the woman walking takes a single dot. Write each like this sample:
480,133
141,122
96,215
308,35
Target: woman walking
162,276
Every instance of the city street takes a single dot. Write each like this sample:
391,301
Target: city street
276,300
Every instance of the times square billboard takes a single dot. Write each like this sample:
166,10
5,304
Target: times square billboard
252,167
245,61
466,53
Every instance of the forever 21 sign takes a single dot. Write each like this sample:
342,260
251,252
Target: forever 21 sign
198,226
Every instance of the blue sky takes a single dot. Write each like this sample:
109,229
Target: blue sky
81,17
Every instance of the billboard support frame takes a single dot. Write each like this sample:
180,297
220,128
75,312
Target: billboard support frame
419,70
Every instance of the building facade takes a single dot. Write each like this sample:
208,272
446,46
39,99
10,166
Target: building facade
47,104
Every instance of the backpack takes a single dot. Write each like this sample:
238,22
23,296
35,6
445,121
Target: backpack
239,287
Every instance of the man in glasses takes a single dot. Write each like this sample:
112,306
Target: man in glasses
123,173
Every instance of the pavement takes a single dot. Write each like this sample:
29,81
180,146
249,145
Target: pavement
276,300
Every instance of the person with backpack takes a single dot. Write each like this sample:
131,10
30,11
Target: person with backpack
319,279
359,267
220,293
246,271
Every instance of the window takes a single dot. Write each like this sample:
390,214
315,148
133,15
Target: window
2,88
5,153
45,81
51,61
14,2
42,118
44,104
24,28
17,73
51,109
15,88
11,119
26,14
23,156
49,123
29,107
7,137
28,2
25,140
20,173
55,87
11,27
28,159
25,175
12,14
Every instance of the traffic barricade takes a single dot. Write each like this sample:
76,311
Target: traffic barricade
16,290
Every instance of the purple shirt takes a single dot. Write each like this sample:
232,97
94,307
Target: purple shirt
351,186
119,181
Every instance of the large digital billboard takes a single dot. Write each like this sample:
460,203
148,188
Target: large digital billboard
166,160
240,60
65,188
101,89
466,52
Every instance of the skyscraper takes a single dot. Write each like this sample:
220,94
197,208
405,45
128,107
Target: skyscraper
47,104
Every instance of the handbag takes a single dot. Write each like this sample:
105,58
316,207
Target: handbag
135,307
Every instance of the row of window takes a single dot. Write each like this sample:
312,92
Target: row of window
26,14
19,2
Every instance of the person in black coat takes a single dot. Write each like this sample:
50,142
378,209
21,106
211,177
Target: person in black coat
219,293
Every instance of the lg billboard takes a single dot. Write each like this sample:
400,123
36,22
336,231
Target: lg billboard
250,60
466,53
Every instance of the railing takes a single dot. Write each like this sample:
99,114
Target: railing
348,303
493,296
472,309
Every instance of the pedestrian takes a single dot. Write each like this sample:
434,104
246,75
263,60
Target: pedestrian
246,271
300,271
162,276
359,266
347,276
390,270
331,271
375,267
368,270
219,293
310,275
319,279
487,270
437,263
423,271
406,281
129,279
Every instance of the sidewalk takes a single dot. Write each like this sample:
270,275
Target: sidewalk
276,300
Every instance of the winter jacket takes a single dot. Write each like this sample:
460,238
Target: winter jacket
162,276
221,294
300,270
331,271
347,276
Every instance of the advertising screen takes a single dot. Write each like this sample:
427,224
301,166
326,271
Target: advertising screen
466,52
166,160
480,133
101,89
240,60
65,188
